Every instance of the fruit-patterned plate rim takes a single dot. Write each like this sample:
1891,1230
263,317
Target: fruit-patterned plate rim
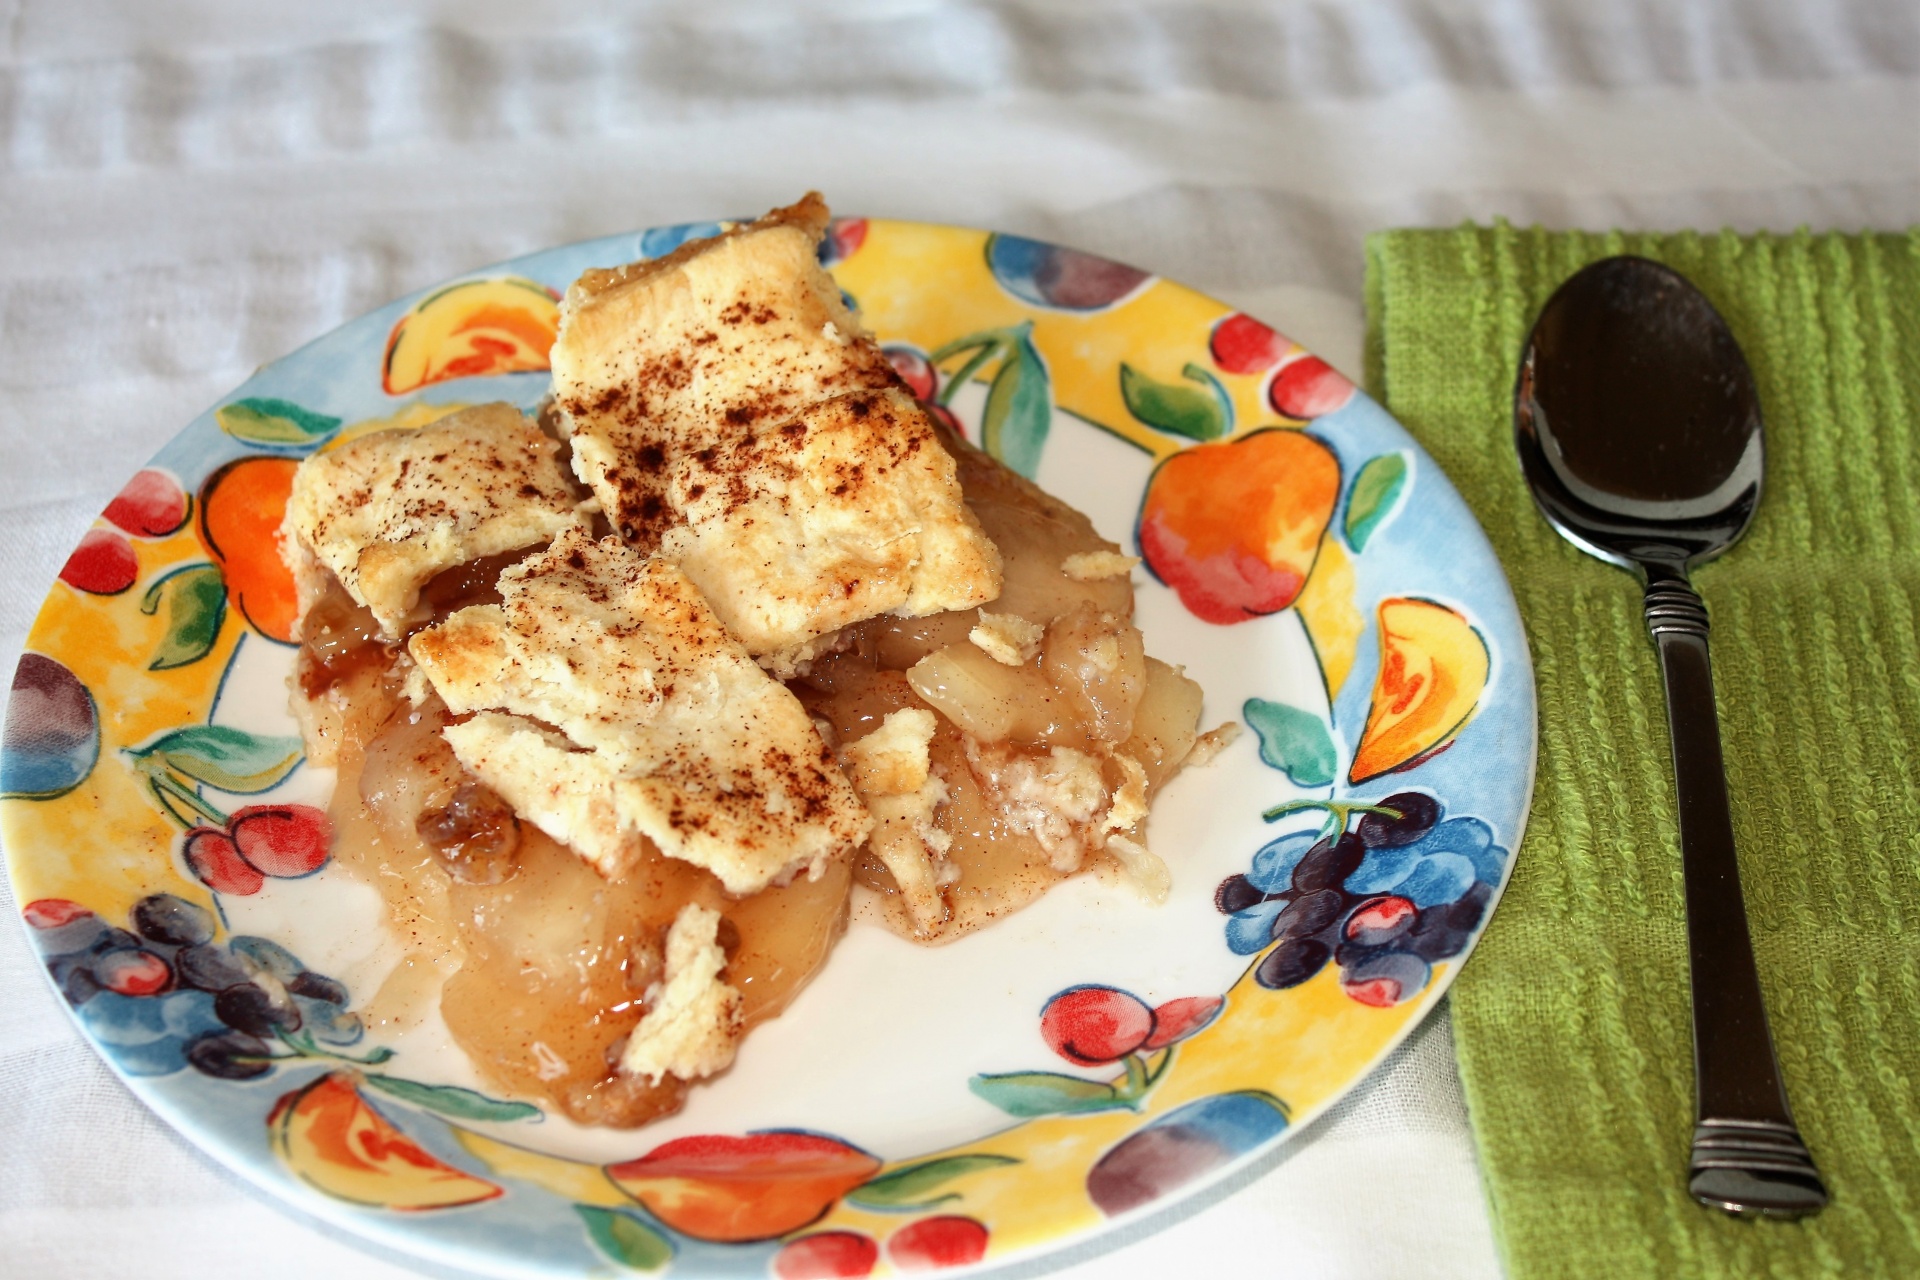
1365,636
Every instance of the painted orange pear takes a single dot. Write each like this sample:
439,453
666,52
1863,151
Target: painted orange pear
1234,526
241,507
756,1187
333,1139
1433,669
470,330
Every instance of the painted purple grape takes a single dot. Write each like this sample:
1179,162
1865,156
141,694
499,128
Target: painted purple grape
1384,978
1292,962
209,967
1048,275
1236,893
1418,812
1329,863
162,917
229,1055
1188,1142
318,986
328,1023
52,735
257,1011
1312,914
74,976
267,957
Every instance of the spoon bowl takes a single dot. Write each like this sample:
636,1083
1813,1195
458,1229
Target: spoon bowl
1639,432
1636,418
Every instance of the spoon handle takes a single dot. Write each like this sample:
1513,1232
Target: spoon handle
1747,1154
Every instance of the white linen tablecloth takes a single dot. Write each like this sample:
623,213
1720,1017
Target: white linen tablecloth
188,190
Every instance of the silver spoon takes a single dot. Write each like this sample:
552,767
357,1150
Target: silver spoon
1638,429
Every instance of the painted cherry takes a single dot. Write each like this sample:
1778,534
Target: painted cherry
1091,1025
282,840
914,369
1241,344
947,1241
1177,1019
103,564
216,860
51,913
152,505
827,1255
133,973
1381,920
1308,388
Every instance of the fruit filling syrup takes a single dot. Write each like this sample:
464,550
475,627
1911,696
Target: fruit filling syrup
542,967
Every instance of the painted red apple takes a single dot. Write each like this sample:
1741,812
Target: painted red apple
1234,526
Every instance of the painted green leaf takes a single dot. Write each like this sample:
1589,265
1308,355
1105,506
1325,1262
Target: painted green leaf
625,1238
1045,1093
259,420
224,757
452,1100
1019,406
982,347
1200,412
1375,489
1293,741
196,600
913,1186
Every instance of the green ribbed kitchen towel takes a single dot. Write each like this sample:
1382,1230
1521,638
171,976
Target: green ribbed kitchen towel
1571,1020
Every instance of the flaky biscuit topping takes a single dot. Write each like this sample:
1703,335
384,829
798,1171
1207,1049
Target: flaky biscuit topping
612,706
386,512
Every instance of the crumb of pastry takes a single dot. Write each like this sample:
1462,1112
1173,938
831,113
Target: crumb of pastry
1007,638
694,1020
1092,566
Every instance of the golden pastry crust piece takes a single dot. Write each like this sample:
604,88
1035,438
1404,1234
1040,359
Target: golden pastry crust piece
388,511
727,411
613,708
720,338
851,510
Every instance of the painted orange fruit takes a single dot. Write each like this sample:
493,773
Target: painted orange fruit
1433,669
469,330
1234,526
715,1187
333,1139
241,507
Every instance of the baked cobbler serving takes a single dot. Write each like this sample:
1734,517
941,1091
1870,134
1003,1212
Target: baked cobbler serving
634,704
